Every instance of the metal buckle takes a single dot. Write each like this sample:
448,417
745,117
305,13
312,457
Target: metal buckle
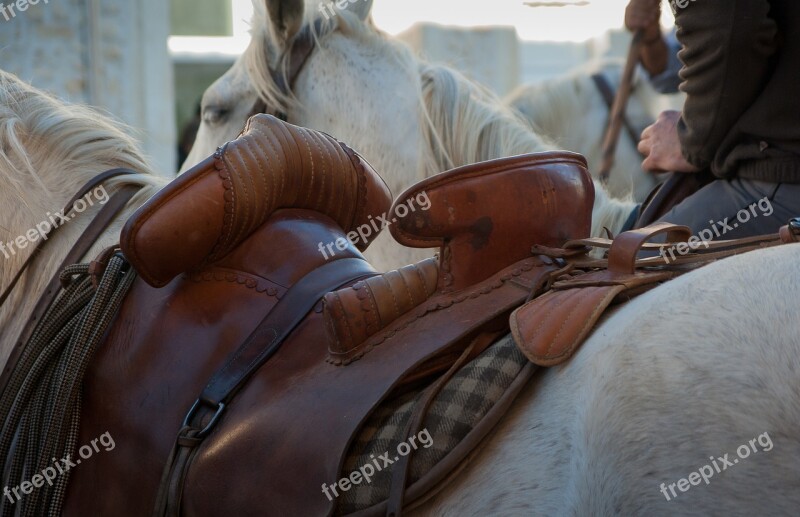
794,224
211,423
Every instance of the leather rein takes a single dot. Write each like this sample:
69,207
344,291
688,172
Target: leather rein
84,243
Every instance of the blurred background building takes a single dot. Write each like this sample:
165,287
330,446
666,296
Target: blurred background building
148,62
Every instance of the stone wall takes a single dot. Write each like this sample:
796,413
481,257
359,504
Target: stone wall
108,53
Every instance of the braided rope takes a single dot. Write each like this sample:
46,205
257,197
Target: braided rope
41,405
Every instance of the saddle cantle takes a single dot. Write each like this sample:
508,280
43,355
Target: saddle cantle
211,209
485,218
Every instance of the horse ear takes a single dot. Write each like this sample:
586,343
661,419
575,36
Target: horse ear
362,8
286,17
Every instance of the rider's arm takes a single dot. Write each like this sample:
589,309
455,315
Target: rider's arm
666,80
726,51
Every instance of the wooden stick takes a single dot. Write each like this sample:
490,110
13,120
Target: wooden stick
620,105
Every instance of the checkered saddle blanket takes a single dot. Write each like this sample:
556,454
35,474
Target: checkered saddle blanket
456,412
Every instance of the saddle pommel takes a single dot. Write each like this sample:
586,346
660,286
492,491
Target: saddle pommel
205,213
488,215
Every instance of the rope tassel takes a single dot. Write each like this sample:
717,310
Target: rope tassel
41,405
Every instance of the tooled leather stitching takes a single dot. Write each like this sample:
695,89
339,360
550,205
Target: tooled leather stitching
422,278
235,230
476,292
390,288
322,150
564,298
267,179
345,318
359,214
230,205
372,309
330,325
269,139
602,306
254,282
551,308
247,222
408,289
311,169
445,264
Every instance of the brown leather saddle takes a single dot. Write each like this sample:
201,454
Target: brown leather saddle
231,277
230,388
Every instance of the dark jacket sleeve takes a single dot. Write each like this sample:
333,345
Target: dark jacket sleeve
726,49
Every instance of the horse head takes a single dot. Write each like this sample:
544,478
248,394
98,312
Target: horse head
408,118
352,83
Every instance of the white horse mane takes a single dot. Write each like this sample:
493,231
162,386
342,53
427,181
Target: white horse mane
463,122
48,149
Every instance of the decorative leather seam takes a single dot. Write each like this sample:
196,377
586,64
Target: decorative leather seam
339,358
256,283
229,206
601,307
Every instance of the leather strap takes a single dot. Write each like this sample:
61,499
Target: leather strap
95,229
291,64
397,489
259,346
626,247
608,95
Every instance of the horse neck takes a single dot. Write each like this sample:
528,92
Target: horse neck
412,120
19,306
468,125
374,112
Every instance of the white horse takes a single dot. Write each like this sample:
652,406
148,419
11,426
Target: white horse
650,397
409,119
48,150
646,402
571,111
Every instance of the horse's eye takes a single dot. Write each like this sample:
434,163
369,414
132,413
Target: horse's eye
214,115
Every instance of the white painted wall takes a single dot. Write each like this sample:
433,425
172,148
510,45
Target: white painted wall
487,55
107,53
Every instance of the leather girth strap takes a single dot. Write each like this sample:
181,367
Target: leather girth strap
550,328
262,343
96,228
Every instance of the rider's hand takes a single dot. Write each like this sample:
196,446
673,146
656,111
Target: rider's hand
662,147
644,15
